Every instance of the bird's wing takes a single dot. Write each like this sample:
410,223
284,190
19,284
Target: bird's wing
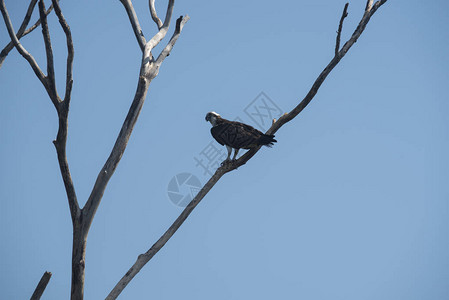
247,136
235,134
219,132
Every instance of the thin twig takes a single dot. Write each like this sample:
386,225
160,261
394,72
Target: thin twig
63,110
134,23
38,22
144,258
369,5
340,26
20,32
70,50
163,29
49,51
37,70
180,22
154,14
40,288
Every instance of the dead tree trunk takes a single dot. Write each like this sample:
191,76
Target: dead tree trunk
82,217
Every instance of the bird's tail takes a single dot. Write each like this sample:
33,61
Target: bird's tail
266,140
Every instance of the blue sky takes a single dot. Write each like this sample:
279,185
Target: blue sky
351,203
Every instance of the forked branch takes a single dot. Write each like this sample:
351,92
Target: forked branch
51,83
340,27
155,40
82,218
166,52
70,51
134,23
369,5
148,71
22,32
37,70
228,167
154,14
62,107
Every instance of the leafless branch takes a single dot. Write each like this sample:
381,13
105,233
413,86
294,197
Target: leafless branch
369,5
228,167
41,286
134,23
340,27
144,258
166,52
82,218
49,51
61,107
163,29
22,32
40,75
154,14
63,111
37,23
148,71
109,167
70,51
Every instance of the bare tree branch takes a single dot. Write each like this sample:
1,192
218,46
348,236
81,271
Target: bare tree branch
134,23
148,71
49,51
154,14
20,32
62,108
144,258
109,167
63,111
163,30
41,286
70,50
369,5
340,27
40,75
82,218
37,23
180,22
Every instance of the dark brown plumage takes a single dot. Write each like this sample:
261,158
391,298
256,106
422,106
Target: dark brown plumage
237,135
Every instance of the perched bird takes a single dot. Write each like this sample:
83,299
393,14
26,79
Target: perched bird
236,135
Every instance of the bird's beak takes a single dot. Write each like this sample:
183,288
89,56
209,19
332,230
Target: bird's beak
207,118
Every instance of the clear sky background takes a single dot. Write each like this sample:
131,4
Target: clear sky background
351,203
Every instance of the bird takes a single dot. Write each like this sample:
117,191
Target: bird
236,135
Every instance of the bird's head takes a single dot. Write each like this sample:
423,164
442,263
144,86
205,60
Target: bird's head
212,117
